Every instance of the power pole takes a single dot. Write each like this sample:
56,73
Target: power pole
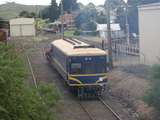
127,25
109,35
36,18
62,21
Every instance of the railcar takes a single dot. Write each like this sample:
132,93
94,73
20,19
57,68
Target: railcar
82,66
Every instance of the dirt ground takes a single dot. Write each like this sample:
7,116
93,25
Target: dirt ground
128,84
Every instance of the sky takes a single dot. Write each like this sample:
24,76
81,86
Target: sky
46,2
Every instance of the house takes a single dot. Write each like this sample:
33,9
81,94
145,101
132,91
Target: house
54,27
22,27
149,33
69,20
4,30
115,31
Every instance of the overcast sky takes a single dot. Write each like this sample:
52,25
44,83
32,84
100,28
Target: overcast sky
46,2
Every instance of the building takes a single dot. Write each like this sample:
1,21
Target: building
22,27
116,31
3,35
55,27
69,20
149,33
4,30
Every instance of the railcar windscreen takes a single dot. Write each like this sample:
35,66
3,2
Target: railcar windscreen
76,68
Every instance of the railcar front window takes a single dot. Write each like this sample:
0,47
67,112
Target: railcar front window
91,68
76,68
100,67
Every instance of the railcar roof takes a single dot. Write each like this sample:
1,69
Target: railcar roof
72,48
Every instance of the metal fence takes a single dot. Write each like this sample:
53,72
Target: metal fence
132,49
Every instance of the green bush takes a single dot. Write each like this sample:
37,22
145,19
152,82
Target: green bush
19,101
153,95
77,32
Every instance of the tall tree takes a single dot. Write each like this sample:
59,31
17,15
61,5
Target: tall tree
70,5
53,10
87,16
24,14
115,4
27,14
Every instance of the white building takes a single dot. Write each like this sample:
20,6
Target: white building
115,31
22,27
149,31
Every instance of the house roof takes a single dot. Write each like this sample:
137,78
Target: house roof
103,27
22,21
150,6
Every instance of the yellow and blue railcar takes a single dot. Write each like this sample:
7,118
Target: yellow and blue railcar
83,67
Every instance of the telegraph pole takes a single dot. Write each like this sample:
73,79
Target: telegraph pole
36,16
62,21
109,35
127,25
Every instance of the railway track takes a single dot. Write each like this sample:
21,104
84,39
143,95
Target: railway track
90,115
100,111
105,112
108,107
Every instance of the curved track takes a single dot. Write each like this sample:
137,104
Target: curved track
95,110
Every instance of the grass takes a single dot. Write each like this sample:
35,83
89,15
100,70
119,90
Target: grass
19,101
69,33
153,95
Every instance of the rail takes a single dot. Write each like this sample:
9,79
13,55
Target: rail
87,112
108,107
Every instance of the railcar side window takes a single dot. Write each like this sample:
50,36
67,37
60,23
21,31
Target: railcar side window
76,68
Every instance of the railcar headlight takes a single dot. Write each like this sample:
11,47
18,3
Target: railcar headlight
101,79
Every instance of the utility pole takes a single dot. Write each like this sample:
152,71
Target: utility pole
62,21
36,16
127,25
109,35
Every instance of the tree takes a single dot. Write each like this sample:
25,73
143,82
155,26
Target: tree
153,95
52,12
27,14
87,18
89,26
32,15
118,7
101,18
70,5
4,23
24,14
114,4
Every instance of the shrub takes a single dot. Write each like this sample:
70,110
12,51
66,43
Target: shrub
77,32
19,101
153,95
